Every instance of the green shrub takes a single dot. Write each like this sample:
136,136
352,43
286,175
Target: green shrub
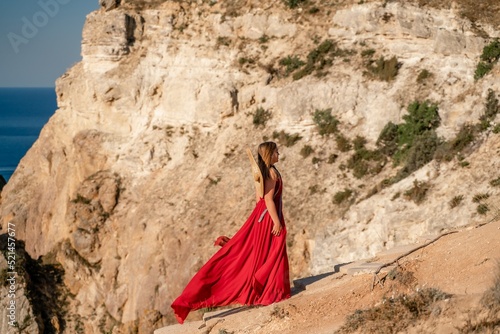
343,143
496,129
316,189
359,143
222,40
242,61
414,141
444,153
316,160
495,182
81,199
341,196
455,201
482,209
293,3
482,69
421,117
464,164
359,167
291,63
418,192
264,39
465,136
285,138
478,198
261,116
491,108
318,54
420,153
387,182
306,70
319,59
491,52
325,121
449,149
314,10
489,57
384,69
367,53
388,139
423,76
365,161
306,151
332,158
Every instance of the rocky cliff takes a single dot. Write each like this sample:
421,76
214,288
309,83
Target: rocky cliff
143,164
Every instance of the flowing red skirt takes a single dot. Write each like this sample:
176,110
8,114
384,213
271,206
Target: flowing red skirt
250,269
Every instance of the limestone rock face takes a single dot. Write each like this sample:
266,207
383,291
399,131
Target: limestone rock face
94,203
143,164
109,4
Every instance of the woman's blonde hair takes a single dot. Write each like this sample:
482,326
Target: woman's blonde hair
265,154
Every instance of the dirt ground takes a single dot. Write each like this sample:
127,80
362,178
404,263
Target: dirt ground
460,267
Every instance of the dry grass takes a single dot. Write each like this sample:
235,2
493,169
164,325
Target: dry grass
455,201
286,138
489,321
484,11
394,315
418,192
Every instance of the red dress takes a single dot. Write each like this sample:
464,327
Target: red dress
250,269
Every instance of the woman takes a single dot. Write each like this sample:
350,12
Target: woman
251,268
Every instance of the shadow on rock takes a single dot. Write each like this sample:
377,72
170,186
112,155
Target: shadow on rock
43,281
302,283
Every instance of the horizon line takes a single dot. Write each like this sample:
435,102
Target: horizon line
27,87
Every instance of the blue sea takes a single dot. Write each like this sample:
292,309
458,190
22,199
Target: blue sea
23,113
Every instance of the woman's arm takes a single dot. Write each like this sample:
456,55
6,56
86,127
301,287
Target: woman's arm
269,186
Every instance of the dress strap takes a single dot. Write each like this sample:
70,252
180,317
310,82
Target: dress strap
262,215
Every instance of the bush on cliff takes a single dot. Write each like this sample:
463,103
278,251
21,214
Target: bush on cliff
489,57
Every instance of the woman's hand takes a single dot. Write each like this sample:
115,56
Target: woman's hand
276,229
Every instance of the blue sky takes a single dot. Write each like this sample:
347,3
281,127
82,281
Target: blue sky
40,39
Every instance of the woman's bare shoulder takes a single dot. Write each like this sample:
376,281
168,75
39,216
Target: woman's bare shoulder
273,172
